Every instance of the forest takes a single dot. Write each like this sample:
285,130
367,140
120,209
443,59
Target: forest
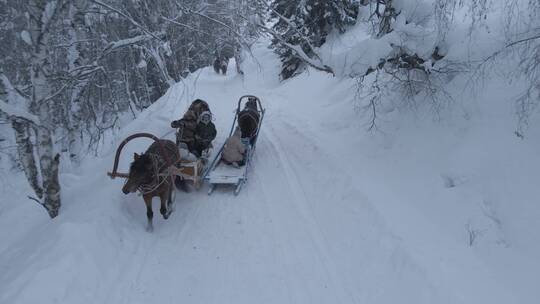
408,92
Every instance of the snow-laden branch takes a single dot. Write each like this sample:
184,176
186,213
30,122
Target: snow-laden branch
17,112
113,46
191,11
84,71
314,63
67,45
511,44
317,64
184,25
293,27
16,108
129,18
241,38
49,15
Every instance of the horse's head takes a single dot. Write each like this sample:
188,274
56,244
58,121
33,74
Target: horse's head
140,172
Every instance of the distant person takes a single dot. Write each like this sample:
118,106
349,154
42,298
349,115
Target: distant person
234,151
220,64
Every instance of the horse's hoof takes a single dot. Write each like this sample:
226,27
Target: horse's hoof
165,216
150,228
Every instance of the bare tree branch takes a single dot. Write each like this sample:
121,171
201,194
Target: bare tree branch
129,18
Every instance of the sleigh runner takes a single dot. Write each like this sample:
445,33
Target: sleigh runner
220,173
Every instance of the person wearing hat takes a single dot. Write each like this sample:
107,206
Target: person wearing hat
248,120
187,127
195,129
198,106
205,133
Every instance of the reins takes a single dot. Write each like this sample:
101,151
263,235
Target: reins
155,184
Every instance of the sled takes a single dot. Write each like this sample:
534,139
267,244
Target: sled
186,170
219,173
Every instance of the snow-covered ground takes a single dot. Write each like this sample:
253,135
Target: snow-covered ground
420,211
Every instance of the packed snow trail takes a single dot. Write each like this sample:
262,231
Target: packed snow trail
304,229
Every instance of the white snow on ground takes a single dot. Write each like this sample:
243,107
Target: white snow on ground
330,214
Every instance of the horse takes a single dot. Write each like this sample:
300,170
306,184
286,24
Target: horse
148,174
220,65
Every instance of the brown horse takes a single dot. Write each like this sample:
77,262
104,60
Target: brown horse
148,174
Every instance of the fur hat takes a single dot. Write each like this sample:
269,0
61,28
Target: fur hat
205,117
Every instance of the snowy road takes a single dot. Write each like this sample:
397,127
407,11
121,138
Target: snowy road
299,232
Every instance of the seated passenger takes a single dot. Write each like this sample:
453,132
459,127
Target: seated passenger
205,132
195,129
198,106
234,150
186,129
248,120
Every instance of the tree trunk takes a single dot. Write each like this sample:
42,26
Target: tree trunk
76,33
48,163
49,172
238,60
25,149
160,63
41,90
385,25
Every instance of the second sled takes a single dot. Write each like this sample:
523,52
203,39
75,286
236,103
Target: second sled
219,173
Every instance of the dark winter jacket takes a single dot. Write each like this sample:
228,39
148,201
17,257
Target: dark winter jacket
204,134
186,128
196,136
248,120
220,65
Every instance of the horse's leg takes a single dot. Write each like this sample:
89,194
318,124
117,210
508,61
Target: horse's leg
164,196
149,213
170,201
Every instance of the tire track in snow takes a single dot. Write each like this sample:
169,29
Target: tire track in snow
294,295
382,246
301,203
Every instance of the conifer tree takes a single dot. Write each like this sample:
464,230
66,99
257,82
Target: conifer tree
306,24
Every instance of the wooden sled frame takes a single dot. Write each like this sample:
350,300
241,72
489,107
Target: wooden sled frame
191,171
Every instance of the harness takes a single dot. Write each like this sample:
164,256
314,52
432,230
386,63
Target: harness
159,177
157,180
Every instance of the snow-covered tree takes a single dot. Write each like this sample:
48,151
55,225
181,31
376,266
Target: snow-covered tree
34,113
303,26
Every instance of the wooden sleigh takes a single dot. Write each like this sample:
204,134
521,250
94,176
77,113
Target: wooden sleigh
187,170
